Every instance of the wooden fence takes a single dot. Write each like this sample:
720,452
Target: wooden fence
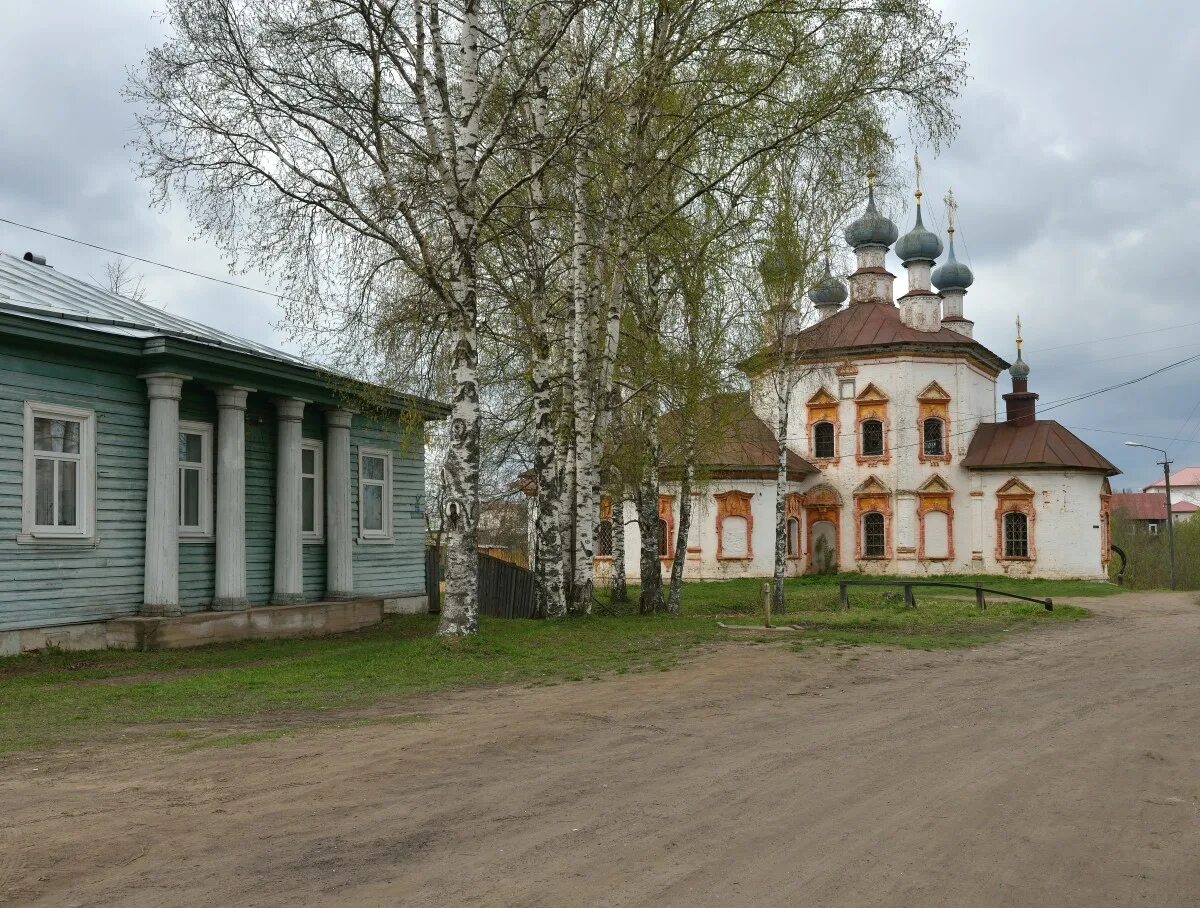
505,590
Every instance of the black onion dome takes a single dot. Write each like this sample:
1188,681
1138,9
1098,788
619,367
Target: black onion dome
872,228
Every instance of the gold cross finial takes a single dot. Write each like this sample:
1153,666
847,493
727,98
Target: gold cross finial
1018,337
951,208
917,169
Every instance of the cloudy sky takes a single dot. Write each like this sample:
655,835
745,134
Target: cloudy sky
1075,171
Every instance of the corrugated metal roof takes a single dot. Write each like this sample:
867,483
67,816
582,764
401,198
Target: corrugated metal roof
41,292
733,437
875,324
1188,476
1044,443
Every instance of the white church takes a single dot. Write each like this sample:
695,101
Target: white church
900,460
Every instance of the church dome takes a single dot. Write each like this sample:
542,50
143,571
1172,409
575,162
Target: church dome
919,244
773,267
828,291
1019,369
872,228
952,274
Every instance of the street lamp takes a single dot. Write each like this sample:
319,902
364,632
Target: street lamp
1166,465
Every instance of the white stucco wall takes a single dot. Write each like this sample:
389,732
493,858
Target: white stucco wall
1066,504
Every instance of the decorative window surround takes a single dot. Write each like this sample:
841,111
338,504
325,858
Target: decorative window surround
872,404
666,517
936,496
197,464
78,458
604,530
872,497
312,491
794,511
823,407
1015,497
368,463
735,504
822,504
933,403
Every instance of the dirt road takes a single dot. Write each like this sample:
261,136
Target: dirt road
1060,767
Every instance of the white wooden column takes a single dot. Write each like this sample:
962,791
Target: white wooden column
161,574
231,499
289,549
339,544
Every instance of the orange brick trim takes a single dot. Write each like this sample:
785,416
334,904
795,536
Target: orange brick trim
1015,496
935,496
873,496
734,504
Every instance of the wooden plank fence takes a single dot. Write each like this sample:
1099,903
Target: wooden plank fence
433,577
505,590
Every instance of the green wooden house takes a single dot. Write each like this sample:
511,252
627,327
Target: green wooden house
155,469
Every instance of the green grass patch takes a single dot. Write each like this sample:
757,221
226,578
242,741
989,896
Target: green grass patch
55,697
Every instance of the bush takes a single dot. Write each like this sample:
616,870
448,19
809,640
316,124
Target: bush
1149,564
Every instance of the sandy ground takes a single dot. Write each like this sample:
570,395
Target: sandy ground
1060,767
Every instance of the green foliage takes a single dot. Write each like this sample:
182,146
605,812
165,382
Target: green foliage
195,696
1149,566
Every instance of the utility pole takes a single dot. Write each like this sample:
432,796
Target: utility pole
1166,465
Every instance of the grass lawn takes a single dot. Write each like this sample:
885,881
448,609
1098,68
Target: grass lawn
51,698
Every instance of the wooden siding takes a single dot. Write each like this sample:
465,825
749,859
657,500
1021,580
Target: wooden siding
398,567
45,584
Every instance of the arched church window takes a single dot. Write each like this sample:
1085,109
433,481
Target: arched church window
823,440
874,539
933,432
1016,535
664,540
872,438
793,537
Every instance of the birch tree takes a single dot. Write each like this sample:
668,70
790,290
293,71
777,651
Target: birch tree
350,144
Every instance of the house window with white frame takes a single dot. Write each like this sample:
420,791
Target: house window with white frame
195,480
374,495
312,491
58,472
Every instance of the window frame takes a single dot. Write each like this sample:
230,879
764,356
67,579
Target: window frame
866,552
316,535
941,436
204,532
85,476
862,438
832,439
1009,556
387,534
792,546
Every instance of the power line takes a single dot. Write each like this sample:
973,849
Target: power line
146,261
1097,340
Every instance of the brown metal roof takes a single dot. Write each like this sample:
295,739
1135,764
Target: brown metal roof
1147,505
1040,444
731,438
861,326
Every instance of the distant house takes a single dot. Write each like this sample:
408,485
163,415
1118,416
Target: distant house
152,466
1185,485
1149,509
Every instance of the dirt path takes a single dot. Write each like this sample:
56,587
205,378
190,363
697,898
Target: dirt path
1057,768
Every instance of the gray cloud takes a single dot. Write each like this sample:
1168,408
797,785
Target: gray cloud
1074,170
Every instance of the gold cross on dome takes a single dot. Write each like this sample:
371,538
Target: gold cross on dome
917,170
951,208
1018,336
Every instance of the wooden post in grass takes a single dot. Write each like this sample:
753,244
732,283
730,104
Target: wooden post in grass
766,604
908,596
1049,605
844,596
979,596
